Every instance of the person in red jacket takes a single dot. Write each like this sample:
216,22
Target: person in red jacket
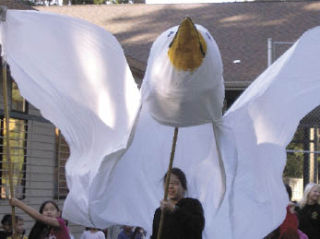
49,223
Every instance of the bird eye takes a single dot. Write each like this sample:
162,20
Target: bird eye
208,35
170,33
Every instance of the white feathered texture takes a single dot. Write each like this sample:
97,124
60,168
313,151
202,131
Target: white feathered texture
76,74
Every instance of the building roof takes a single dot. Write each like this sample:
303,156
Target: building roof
241,30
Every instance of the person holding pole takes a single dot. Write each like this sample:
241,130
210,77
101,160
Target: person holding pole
49,223
183,217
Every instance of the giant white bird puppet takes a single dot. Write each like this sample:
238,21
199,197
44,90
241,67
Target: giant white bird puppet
120,139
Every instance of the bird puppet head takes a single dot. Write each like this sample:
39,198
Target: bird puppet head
183,85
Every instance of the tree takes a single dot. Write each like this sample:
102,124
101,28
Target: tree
294,166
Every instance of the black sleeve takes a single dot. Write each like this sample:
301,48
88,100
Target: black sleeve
155,224
190,213
301,214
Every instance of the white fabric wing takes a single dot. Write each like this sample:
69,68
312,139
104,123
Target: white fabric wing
77,75
264,120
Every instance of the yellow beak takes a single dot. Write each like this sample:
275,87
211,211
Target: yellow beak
188,47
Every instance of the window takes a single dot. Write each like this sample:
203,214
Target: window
62,154
38,151
17,137
18,103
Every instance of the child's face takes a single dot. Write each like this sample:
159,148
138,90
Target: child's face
50,210
20,226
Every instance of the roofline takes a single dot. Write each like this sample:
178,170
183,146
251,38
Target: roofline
236,85
138,69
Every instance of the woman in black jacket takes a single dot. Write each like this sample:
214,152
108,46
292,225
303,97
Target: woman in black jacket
183,217
309,211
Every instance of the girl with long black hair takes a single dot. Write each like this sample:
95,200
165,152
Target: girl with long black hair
49,223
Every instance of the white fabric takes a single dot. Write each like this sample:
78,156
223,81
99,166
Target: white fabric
95,105
264,120
183,98
92,235
77,75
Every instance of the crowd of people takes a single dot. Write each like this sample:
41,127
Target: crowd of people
303,218
46,231
183,218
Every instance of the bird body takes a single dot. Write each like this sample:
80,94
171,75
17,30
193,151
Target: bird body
120,142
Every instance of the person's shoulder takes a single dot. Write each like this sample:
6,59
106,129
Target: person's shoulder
63,223
63,226
312,206
157,211
61,220
317,207
100,233
190,200
121,235
307,208
4,235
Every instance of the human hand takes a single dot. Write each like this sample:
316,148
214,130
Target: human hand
291,207
167,205
13,202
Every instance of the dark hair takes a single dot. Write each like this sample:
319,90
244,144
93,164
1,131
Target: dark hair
39,229
180,175
18,218
6,220
137,233
289,191
45,203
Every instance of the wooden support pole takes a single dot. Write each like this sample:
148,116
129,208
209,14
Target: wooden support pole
7,132
173,149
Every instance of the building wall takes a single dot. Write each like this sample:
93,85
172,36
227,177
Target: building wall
40,171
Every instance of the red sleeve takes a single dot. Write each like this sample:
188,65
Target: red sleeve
63,232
